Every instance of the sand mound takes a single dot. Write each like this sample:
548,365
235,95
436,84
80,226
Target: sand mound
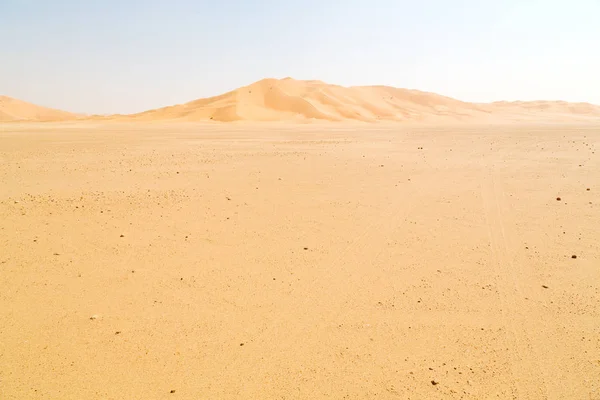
289,99
294,100
17,110
545,109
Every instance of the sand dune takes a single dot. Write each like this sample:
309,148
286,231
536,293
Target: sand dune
545,109
17,110
295,100
289,99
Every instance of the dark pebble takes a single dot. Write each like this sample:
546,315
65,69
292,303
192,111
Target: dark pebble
434,383
573,256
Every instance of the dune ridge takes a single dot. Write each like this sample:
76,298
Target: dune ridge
303,101
290,99
12,110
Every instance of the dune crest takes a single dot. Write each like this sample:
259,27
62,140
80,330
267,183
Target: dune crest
294,100
12,110
290,99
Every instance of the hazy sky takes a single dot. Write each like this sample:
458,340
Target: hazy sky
108,56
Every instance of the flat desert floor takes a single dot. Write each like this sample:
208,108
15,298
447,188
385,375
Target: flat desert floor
281,261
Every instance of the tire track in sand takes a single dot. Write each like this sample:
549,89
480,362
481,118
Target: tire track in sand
528,381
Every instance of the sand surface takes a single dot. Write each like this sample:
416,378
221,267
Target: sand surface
299,261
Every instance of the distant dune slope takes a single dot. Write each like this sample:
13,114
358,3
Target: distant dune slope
294,100
541,109
289,99
17,110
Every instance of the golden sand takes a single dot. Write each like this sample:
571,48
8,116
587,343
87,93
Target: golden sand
272,261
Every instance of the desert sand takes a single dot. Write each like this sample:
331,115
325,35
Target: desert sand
299,261
315,101
13,110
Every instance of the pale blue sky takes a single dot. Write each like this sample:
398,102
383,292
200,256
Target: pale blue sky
108,56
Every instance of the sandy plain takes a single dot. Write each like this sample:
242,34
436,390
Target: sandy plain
281,261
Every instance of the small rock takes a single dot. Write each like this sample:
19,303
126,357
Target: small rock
122,236
545,287
558,199
172,391
306,248
94,317
573,256
434,382
117,332
241,344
